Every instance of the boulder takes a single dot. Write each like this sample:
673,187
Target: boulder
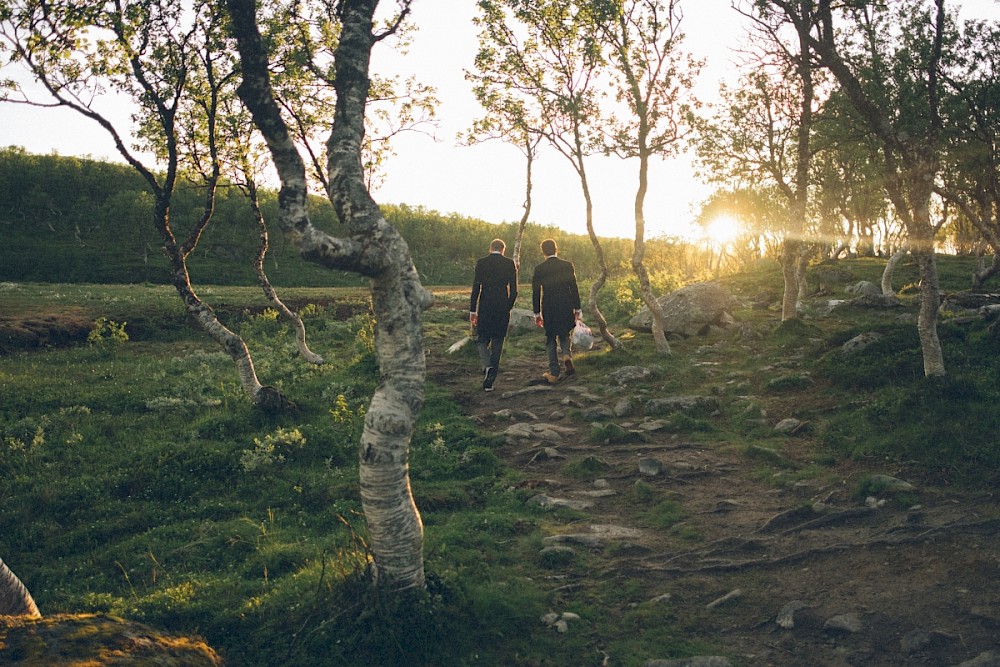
690,311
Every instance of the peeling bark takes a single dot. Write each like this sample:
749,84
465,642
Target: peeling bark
375,249
15,600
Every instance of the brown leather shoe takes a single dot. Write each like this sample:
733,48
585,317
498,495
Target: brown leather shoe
570,368
550,378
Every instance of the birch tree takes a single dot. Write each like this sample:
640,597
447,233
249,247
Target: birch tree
546,52
147,53
652,78
887,60
373,248
15,600
507,118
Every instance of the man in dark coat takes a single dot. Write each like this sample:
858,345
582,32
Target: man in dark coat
555,299
494,291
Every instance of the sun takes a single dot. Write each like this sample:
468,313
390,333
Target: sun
722,230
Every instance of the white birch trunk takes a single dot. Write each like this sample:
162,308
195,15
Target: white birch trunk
890,269
15,600
374,249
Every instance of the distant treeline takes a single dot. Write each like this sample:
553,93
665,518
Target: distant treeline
76,220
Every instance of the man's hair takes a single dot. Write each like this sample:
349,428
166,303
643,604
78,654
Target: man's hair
497,245
549,247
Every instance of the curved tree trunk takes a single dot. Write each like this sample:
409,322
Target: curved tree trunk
595,287
265,284
980,276
374,249
638,252
15,600
890,269
801,272
530,147
789,263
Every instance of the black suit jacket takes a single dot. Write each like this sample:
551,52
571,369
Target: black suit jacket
555,295
494,291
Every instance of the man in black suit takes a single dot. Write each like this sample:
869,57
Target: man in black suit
494,291
555,299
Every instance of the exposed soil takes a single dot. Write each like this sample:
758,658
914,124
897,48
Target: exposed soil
911,581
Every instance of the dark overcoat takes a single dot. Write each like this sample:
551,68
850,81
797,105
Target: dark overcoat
494,291
555,295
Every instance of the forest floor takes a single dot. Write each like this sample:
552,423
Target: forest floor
772,559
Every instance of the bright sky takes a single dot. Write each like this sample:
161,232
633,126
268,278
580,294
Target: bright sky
487,181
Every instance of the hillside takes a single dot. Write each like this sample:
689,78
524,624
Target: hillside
75,220
136,482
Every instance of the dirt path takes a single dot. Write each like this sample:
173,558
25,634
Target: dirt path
772,574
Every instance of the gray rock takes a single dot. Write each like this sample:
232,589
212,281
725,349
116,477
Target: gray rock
624,407
920,640
847,623
598,413
786,617
789,425
695,661
629,374
650,467
860,342
690,310
864,288
875,301
984,659
521,319
548,501
661,406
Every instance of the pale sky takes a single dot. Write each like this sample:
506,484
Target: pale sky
486,181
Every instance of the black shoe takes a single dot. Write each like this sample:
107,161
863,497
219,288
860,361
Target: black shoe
491,377
570,368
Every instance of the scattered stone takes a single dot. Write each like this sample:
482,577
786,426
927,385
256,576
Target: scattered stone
589,541
624,407
788,425
547,501
860,342
920,640
726,505
690,310
660,406
984,659
598,493
864,288
650,467
662,599
653,425
602,484
988,614
786,617
597,413
629,374
874,503
890,484
534,389
570,402
734,594
521,319
546,454
848,623
584,393
537,431
695,661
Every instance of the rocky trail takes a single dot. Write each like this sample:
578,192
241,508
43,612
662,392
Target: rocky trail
802,573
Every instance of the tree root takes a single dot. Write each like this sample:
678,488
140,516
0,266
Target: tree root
982,526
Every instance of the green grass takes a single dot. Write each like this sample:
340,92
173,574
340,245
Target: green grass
136,480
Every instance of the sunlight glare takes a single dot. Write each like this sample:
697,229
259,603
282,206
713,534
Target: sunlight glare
723,230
